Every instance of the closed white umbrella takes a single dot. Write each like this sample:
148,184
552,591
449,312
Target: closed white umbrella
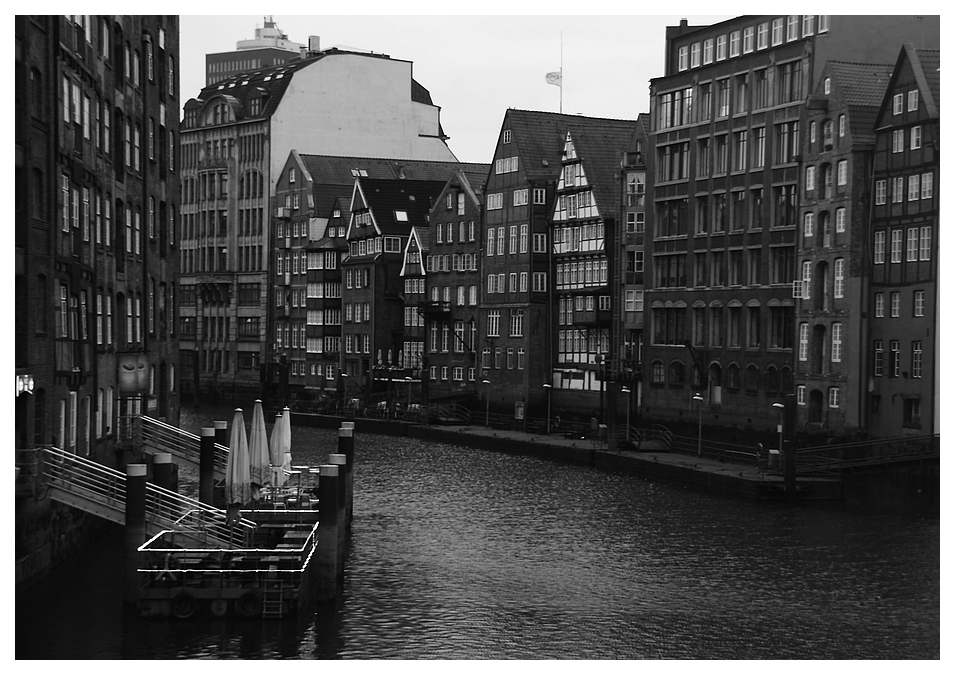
259,471
287,431
237,488
277,452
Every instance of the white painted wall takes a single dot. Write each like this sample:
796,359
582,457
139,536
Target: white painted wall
356,106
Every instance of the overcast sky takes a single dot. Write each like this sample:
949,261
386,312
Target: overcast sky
477,66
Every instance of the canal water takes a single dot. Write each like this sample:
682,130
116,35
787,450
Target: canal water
459,553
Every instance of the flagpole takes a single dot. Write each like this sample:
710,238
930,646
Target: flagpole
562,72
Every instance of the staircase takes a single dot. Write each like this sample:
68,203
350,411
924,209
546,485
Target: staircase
184,446
101,491
272,599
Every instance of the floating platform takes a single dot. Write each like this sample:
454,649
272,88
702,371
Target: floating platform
271,575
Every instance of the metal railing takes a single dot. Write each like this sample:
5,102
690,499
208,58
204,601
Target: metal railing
180,444
828,458
101,490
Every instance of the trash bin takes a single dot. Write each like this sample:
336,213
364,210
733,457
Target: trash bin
773,459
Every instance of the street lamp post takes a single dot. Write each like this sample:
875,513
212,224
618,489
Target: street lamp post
408,380
487,403
626,390
699,438
779,428
548,387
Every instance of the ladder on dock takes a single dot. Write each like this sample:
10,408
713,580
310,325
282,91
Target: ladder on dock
158,436
101,491
272,599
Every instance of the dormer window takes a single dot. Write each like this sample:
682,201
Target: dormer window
507,135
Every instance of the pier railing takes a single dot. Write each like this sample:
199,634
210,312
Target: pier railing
830,458
101,490
181,444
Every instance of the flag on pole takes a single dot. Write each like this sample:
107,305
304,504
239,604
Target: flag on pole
554,79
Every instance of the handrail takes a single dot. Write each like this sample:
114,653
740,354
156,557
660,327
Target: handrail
181,443
164,508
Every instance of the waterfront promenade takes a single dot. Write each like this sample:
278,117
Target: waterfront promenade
653,460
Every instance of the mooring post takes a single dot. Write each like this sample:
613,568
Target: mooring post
162,470
327,557
135,526
339,461
207,464
346,447
789,433
222,432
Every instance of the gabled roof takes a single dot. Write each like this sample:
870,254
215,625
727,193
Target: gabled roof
925,64
540,137
384,197
338,170
418,239
600,150
929,63
862,86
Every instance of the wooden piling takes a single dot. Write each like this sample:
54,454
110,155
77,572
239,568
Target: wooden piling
162,470
222,432
135,527
328,570
339,461
207,464
346,447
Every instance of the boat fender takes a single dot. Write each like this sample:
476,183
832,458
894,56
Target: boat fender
183,605
249,604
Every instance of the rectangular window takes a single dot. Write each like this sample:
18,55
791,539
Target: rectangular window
895,301
879,305
748,35
833,397
836,351
762,36
803,341
878,358
708,51
912,245
916,358
925,243
918,303
926,185
842,172
734,43
896,246
880,192
879,248
792,27
913,100
838,284
777,32
897,104
894,359
915,138
898,141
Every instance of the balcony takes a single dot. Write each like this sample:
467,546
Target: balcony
434,308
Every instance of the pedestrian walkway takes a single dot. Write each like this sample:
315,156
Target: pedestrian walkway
654,460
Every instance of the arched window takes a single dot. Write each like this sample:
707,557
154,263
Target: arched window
752,378
733,377
677,373
657,372
785,380
772,380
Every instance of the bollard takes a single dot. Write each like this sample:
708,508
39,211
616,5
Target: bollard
339,461
207,464
162,470
328,570
346,447
135,526
222,432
